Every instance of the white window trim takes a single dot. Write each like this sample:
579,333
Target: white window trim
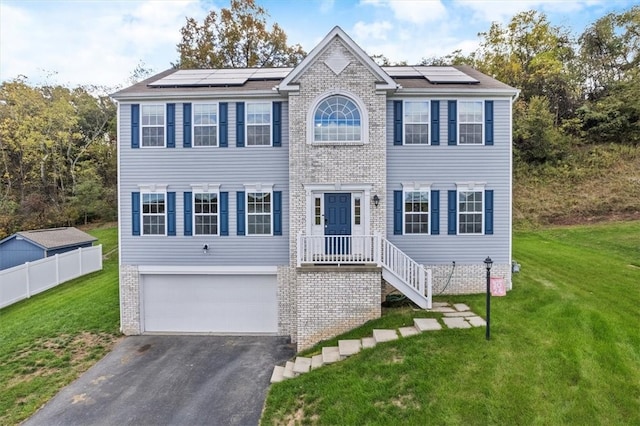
164,126
253,188
364,118
459,122
247,125
404,123
318,190
153,189
416,187
470,187
193,125
204,188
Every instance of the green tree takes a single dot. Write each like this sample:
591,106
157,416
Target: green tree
237,37
535,137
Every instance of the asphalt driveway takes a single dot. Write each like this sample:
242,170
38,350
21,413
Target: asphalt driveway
172,380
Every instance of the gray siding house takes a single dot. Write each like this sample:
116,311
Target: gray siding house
286,200
28,246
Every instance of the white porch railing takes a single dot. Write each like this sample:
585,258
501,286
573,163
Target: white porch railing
399,269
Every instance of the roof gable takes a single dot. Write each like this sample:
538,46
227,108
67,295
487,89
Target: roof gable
337,64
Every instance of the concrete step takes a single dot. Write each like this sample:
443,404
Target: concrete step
278,374
461,307
316,362
459,314
349,347
368,342
288,370
427,324
477,321
384,335
302,365
330,354
456,322
408,331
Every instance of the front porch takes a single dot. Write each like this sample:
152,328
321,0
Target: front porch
398,269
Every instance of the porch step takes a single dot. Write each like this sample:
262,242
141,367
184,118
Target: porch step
384,335
278,374
349,347
456,316
427,324
408,331
302,365
288,372
330,354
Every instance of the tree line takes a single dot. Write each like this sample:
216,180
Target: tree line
58,145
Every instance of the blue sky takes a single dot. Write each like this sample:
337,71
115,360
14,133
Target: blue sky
100,42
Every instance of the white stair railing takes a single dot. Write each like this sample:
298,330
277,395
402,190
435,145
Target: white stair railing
408,276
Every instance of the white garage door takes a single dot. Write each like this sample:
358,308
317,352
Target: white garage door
210,303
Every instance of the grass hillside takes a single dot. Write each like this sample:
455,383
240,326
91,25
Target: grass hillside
47,341
564,349
592,184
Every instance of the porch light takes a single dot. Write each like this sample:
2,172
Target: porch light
488,263
376,200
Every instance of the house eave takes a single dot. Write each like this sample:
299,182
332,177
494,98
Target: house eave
181,96
458,92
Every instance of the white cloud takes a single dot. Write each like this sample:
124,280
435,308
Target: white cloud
502,11
375,30
413,11
92,42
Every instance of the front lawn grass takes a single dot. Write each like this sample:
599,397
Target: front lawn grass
565,349
47,341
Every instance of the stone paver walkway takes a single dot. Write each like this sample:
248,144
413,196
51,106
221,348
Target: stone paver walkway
457,315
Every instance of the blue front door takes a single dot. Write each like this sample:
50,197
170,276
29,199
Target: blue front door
337,221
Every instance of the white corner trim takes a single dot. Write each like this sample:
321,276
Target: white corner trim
206,270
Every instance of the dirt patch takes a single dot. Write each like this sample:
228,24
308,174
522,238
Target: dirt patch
586,220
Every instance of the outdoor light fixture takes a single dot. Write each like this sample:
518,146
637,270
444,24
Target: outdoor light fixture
205,248
489,263
376,200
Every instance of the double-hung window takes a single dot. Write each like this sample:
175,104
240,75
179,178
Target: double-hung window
259,213
416,122
470,210
205,124
470,121
416,211
152,125
154,217
205,212
259,124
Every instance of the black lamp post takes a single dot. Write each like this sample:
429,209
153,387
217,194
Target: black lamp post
489,263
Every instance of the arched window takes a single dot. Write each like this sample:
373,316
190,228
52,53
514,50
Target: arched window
337,119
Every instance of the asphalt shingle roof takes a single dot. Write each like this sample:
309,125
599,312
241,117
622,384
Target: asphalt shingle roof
57,237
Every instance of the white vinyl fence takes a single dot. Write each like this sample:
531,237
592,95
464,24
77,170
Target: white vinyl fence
24,281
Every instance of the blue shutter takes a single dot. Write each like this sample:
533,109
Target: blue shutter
223,108
488,212
135,213
171,125
435,122
435,212
186,125
488,122
188,214
171,213
397,212
451,212
240,212
224,213
277,124
397,122
277,212
135,126
239,124
452,122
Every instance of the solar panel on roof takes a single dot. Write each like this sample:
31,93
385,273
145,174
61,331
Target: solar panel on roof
445,75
